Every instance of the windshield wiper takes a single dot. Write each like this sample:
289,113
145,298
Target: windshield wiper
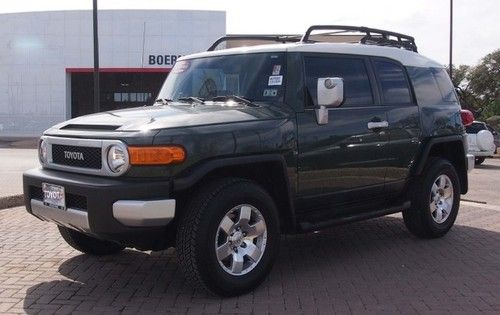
237,98
191,99
162,101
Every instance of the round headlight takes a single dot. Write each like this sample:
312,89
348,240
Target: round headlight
42,151
117,158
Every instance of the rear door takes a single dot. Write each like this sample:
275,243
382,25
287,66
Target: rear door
341,164
403,121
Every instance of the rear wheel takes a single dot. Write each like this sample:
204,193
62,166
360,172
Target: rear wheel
228,238
87,244
479,160
435,200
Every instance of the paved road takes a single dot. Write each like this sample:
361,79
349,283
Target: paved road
484,183
374,266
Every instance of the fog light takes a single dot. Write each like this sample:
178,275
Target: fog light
117,158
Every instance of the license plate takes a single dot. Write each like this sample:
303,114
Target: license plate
53,196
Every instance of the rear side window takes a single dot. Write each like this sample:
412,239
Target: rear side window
393,83
444,84
475,128
357,87
432,86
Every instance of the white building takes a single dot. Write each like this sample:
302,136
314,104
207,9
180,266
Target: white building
46,61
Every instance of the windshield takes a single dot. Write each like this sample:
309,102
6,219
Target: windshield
256,77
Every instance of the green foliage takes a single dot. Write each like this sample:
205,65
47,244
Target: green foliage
479,86
494,121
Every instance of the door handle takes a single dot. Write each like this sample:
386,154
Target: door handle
378,124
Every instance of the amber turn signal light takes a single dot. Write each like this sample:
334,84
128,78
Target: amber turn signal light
156,155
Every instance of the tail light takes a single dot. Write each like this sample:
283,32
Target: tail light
467,117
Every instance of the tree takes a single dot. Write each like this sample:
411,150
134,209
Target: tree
479,86
485,78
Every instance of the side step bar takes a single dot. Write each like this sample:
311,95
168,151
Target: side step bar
306,226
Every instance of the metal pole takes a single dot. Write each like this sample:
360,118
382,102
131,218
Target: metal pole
97,106
451,39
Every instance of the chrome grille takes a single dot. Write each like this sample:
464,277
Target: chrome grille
93,151
90,157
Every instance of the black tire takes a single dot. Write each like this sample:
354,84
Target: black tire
197,230
479,160
418,219
87,244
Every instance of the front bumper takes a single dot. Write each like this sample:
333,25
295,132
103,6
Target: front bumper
117,209
482,153
470,162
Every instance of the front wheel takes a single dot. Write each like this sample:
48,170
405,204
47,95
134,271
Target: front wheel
435,200
228,238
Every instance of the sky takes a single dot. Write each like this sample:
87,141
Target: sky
475,22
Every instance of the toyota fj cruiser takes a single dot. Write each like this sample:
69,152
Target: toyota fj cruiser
248,143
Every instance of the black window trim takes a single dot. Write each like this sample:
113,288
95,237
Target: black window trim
371,77
409,84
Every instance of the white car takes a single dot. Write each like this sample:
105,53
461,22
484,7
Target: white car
480,140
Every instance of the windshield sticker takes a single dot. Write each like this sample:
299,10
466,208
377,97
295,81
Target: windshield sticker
275,80
270,92
181,66
276,69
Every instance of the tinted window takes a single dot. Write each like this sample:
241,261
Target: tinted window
444,84
432,86
393,83
259,77
475,128
356,83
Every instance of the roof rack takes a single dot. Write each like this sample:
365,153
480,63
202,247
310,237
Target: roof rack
336,33
258,39
372,36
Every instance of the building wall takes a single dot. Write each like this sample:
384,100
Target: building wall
37,49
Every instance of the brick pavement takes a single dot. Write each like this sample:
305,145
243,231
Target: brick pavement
374,266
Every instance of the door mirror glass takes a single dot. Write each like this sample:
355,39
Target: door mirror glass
330,92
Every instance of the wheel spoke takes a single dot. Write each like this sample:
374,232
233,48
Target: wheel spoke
433,207
442,182
434,190
449,204
237,265
245,214
439,214
224,251
252,251
257,229
227,225
448,192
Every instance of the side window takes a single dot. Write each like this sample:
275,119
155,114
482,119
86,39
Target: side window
474,128
393,82
432,86
445,85
357,89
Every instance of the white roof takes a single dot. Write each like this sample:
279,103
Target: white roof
406,57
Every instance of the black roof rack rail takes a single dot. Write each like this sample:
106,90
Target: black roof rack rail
372,36
272,38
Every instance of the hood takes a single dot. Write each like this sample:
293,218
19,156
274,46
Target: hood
170,116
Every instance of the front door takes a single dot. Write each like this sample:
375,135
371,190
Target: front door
342,164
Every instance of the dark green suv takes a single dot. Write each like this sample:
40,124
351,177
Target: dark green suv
248,143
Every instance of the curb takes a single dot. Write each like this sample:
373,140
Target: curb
11,201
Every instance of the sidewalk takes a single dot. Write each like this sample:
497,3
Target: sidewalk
13,162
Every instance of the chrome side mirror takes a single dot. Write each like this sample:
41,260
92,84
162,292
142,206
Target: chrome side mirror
330,94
